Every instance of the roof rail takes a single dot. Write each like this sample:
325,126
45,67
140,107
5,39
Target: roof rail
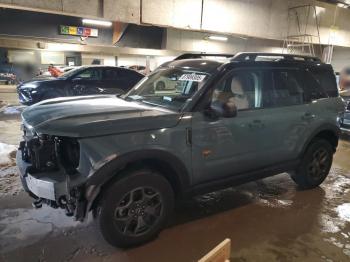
201,55
245,56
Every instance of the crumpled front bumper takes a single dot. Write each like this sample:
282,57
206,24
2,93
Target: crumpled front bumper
46,185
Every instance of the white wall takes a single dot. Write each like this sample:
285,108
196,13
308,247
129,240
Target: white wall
155,61
341,58
254,18
106,59
189,41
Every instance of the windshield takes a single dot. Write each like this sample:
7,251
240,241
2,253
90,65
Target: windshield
70,72
170,88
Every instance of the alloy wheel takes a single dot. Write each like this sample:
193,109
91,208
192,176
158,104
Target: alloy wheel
138,211
319,165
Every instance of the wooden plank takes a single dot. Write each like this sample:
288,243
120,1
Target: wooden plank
221,253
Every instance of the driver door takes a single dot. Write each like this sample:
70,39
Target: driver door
223,147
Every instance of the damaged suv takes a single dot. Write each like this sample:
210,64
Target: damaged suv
126,159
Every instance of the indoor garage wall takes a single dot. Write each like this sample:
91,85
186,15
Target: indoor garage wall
341,58
196,42
19,23
268,18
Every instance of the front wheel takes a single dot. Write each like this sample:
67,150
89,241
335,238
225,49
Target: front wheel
135,208
315,165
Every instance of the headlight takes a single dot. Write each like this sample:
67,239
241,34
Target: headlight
29,86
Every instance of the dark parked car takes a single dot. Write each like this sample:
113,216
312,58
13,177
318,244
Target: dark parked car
85,80
127,159
345,119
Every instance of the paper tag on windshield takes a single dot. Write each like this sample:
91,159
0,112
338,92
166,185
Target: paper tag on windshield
192,77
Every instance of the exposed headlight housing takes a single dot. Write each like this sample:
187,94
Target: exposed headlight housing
68,150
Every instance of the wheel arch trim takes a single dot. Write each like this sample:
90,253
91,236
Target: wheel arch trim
324,128
110,168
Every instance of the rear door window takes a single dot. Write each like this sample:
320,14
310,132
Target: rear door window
313,89
110,74
326,80
288,87
90,74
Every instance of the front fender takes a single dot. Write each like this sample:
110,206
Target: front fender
111,166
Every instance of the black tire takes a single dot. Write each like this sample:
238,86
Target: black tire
119,219
315,165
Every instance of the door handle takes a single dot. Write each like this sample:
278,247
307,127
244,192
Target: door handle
256,124
308,116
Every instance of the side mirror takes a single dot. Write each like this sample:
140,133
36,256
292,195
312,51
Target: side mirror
220,109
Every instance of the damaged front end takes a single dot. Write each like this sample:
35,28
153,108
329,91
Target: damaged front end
48,170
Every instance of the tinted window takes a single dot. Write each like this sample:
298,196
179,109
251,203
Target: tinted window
128,74
313,90
90,74
288,88
111,74
326,80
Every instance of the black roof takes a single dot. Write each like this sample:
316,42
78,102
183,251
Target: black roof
200,61
252,56
204,65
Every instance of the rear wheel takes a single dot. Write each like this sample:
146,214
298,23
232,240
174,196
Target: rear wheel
135,208
315,165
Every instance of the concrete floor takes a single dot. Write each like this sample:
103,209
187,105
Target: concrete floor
8,94
267,220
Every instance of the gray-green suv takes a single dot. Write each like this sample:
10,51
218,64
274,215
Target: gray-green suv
128,158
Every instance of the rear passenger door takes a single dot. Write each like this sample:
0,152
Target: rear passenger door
288,114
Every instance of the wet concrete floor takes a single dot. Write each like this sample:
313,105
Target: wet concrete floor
267,220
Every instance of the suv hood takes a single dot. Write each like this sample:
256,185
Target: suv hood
95,116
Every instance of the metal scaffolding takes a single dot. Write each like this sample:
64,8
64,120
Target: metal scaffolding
303,34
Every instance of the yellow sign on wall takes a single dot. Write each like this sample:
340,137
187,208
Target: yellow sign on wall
72,30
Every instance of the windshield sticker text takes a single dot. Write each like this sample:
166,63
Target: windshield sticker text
192,77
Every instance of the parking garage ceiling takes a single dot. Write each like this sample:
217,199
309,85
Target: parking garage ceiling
270,20
346,3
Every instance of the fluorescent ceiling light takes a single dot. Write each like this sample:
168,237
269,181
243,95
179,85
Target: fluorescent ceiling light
97,22
342,5
217,37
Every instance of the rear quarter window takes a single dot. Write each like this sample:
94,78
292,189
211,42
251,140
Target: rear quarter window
326,80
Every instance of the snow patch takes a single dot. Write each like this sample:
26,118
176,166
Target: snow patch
12,110
344,211
5,151
275,203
